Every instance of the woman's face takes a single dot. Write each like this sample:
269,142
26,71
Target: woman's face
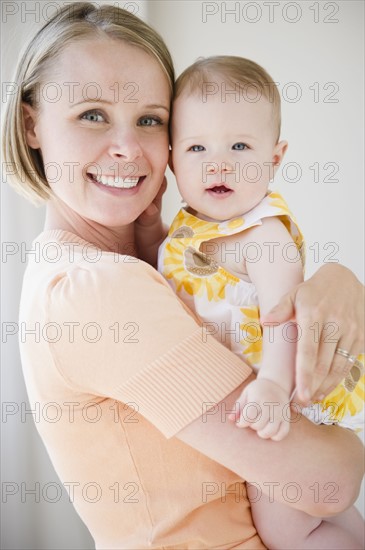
102,129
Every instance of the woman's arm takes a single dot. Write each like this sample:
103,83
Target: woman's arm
152,353
317,469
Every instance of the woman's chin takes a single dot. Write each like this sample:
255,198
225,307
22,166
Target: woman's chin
114,220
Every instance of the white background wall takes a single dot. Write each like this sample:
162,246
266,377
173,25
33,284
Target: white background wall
314,50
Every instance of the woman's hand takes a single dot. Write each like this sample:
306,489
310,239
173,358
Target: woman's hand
149,230
152,214
329,309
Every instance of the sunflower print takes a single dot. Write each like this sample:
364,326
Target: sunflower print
188,268
194,272
225,228
252,335
187,226
277,201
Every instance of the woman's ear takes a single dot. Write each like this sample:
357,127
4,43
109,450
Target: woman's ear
278,153
30,117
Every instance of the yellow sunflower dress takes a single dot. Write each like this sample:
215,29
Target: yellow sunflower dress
228,306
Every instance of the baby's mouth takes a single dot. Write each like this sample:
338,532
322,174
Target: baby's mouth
113,181
219,189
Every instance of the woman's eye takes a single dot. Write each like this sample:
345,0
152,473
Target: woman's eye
196,148
149,121
93,116
239,146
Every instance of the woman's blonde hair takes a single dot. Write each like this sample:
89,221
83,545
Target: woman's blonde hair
249,80
75,22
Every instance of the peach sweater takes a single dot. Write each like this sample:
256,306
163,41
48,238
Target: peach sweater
119,366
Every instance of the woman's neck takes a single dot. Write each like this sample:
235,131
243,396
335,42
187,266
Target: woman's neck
115,239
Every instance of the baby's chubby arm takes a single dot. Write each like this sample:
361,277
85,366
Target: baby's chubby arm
274,274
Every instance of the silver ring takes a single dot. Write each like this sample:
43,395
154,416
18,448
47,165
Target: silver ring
343,352
352,359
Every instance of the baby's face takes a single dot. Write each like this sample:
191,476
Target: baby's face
223,153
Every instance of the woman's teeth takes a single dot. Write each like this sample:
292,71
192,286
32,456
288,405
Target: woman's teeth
121,183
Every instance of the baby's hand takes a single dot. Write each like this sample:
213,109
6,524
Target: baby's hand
264,407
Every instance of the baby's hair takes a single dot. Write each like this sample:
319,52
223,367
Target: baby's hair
72,23
248,79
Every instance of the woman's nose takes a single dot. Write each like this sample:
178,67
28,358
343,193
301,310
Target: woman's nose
125,146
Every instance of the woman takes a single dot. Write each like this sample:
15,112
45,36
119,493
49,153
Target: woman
141,393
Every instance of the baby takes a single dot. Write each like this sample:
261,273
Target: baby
236,249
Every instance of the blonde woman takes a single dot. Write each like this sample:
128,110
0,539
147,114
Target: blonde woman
143,392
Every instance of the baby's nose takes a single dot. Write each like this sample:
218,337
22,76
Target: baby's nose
227,166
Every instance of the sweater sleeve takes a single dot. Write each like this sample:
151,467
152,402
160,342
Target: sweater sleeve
126,336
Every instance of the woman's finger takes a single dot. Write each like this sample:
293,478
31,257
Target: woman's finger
307,348
306,358
323,369
283,311
153,210
340,367
158,199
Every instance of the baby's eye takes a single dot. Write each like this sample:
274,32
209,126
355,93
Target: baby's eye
93,116
149,121
196,148
239,146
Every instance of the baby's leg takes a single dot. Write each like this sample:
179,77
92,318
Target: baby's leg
283,528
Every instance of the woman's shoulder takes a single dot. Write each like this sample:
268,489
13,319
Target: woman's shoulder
66,270
65,253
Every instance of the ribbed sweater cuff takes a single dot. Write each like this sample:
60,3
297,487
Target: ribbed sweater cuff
175,389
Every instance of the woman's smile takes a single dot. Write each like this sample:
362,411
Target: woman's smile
112,181
117,186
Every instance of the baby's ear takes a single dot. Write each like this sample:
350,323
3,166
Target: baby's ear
279,152
171,166
30,118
